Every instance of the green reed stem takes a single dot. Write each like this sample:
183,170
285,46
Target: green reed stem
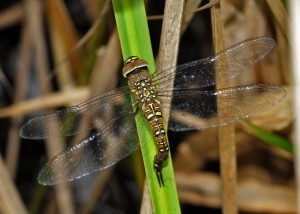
135,41
269,137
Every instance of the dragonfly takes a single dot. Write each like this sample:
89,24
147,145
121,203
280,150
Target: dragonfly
191,99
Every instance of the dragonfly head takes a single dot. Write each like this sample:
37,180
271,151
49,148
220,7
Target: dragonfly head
133,65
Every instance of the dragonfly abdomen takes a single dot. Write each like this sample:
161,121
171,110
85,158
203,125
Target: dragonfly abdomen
153,113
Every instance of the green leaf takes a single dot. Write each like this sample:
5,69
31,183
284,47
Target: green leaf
135,41
269,137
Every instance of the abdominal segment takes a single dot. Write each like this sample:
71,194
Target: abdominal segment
152,111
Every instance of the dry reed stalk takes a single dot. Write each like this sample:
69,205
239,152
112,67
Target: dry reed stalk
5,82
204,7
282,27
255,25
13,142
105,72
59,17
50,101
104,77
92,12
226,133
280,15
284,58
146,207
64,71
86,36
54,146
10,200
170,39
11,16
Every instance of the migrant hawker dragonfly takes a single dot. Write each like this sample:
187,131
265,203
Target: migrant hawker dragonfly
191,106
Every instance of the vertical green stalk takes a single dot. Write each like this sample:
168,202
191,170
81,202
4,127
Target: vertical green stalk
135,41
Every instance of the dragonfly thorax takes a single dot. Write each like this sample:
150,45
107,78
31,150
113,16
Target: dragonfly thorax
141,86
140,80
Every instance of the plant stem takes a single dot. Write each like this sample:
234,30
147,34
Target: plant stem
135,41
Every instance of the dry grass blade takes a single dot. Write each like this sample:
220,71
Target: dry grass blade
5,82
61,22
12,151
64,72
226,133
282,27
105,72
146,207
11,202
90,32
11,16
54,146
104,78
82,40
281,53
50,101
280,15
284,57
204,7
170,39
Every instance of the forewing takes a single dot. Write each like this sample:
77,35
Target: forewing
114,141
225,65
66,122
193,110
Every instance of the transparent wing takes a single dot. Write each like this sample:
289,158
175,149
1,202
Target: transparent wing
197,74
196,109
114,141
190,109
66,122
225,65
